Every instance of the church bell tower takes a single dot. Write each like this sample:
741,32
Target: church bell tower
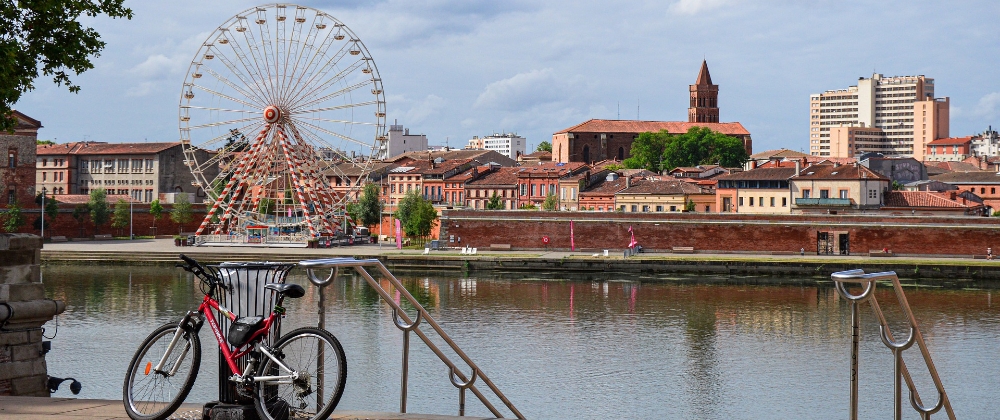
704,98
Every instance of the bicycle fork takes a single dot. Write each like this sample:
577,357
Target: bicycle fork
190,324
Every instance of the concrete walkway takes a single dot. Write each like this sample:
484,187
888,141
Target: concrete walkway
33,408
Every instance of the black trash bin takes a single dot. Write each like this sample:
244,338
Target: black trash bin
245,296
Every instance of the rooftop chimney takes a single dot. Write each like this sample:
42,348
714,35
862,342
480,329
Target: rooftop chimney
628,182
798,168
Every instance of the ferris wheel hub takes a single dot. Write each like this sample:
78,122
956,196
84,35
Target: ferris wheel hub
272,114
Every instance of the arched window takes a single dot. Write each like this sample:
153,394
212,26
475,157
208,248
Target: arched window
586,154
621,154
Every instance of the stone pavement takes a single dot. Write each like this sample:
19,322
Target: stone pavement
36,408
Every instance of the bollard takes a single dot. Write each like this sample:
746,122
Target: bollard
245,296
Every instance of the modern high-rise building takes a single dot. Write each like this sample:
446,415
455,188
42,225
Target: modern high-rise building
894,116
507,144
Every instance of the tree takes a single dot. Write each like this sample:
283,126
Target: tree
647,151
544,147
494,203
416,214
121,216
369,206
689,206
44,143
14,218
181,213
48,38
51,208
702,146
528,206
98,206
551,203
80,214
155,211
896,186
614,167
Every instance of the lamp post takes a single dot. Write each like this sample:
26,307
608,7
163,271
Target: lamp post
43,214
131,236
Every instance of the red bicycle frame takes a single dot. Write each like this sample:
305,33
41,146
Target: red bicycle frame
231,355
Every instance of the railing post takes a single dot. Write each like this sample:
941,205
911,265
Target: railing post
406,353
897,348
855,300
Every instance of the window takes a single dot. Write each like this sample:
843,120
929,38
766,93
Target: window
993,190
136,165
562,193
772,201
659,208
741,201
524,189
95,166
673,208
824,193
541,189
11,197
982,190
12,159
751,201
784,201
45,162
622,207
533,189
805,193
44,176
392,188
872,193
761,201
843,193
122,165
634,207
645,209
708,208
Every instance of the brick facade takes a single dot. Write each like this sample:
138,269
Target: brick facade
725,232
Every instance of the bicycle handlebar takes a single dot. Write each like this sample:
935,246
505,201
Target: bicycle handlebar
194,267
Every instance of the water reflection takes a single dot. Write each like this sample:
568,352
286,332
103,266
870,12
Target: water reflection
592,346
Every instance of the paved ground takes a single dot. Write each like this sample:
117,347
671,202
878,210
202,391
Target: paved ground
32,408
167,246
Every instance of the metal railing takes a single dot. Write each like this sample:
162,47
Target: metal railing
867,283
408,325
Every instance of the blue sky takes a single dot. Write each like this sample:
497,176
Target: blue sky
453,69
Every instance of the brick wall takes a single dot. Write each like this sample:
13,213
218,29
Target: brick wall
21,178
723,232
65,225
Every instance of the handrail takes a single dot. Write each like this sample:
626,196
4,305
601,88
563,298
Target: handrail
868,282
406,324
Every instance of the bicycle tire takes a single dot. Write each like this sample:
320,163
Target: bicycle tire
141,398
302,350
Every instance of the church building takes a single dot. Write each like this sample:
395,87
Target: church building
596,139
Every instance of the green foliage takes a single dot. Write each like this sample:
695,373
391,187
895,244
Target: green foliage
528,206
121,216
47,38
896,186
236,142
80,213
265,206
51,208
551,203
689,206
181,213
156,210
647,151
544,147
13,219
702,146
369,206
44,143
494,203
614,167
98,206
416,214
996,213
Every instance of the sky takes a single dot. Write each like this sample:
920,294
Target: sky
454,69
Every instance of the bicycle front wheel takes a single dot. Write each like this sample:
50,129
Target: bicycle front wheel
153,390
310,383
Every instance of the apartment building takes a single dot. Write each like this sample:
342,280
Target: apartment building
954,149
894,116
507,144
400,141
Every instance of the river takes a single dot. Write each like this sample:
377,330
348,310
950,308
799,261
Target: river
572,346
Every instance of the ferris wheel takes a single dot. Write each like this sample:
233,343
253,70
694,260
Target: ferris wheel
278,102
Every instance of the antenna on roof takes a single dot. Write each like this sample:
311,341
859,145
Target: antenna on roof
637,108
619,110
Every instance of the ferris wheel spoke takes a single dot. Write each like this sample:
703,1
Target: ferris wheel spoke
265,42
335,121
220,109
309,93
333,133
333,108
249,62
257,59
309,90
254,94
317,101
216,124
318,70
308,71
223,95
296,46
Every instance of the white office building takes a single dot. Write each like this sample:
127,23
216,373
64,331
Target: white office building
507,144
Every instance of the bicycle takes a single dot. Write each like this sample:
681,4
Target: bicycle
291,379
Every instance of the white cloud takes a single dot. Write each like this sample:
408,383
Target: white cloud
692,7
430,105
988,106
155,66
525,90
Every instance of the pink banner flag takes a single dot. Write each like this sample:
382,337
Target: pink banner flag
399,235
632,243
572,239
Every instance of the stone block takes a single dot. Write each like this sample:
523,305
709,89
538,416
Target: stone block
19,241
30,385
26,352
5,354
5,387
18,274
21,292
18,257
13,338
35,336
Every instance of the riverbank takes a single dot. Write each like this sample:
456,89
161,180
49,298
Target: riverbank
956,271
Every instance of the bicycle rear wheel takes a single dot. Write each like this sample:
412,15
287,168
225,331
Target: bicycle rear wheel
151,394
318,358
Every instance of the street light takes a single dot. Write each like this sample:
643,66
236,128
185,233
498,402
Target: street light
43,214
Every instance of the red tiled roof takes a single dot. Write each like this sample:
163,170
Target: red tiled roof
951,141
968,177
56,149
825,171
96,148
924,199
558,168
778,153
673,127
670,187
761,174
504,177
605,188
953,166
85,198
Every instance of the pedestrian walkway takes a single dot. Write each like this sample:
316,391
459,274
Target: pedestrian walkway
37,408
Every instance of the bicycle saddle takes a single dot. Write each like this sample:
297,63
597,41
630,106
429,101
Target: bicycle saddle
293,291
